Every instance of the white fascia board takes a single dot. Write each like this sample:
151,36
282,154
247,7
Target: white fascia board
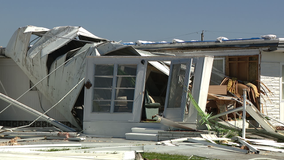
281,39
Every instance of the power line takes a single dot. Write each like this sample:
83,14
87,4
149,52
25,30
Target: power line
239,32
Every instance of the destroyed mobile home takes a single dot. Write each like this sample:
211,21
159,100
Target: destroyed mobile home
101,87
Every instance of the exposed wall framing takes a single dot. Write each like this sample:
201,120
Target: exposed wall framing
244,68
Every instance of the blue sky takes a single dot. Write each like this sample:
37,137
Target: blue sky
153,20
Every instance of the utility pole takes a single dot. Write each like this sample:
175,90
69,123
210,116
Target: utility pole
202,35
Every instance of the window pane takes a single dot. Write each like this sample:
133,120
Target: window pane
103,82
124,94
127,70
102,94
123,106
217,72
122,101
282,91
101,106
176,86
218,64
125,82
104,69
282,73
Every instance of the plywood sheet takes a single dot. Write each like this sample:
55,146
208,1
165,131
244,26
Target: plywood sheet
218,89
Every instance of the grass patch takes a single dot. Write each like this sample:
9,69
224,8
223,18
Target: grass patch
60,149
165,156
54,149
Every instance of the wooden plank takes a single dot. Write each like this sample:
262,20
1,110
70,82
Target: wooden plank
251,148
242,73
227,68
218,89
253,71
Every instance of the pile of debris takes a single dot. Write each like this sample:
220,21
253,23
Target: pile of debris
219,102
238,144
11,137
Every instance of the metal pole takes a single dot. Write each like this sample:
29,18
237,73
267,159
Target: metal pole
244,113
202,35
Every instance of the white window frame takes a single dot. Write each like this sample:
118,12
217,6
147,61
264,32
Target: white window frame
135,116
177,114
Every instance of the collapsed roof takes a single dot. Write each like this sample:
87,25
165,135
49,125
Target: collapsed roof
55,61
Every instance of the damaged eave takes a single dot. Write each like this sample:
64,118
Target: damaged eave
279,48
211,45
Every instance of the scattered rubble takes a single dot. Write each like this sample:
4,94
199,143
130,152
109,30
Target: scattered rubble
184,97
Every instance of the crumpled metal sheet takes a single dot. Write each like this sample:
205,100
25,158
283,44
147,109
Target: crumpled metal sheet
33,61
36,30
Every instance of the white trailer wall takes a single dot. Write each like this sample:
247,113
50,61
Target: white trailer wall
15,83
271,76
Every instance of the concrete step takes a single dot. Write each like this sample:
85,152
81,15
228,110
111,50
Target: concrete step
145,130
141,136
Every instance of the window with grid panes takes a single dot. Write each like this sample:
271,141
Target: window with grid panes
114,87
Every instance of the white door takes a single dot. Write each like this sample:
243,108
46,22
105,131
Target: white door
115,91
176,97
